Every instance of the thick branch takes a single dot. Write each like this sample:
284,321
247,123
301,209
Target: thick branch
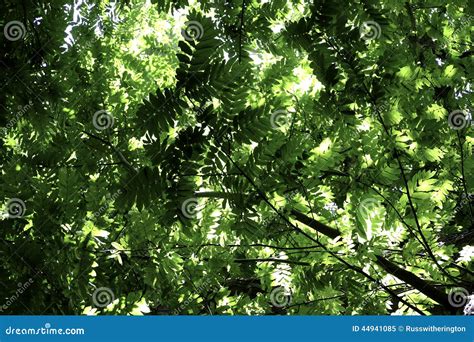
303,233
418,283
372,100
216,194
316,225
281,261
408,277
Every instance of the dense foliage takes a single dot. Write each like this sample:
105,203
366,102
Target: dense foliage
236,157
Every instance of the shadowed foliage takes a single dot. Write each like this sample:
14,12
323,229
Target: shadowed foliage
236,157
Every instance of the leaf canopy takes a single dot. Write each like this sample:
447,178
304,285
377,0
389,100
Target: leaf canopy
236,157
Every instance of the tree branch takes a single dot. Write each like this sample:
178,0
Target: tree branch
114,149
281,261
419,284
241,29
303,233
